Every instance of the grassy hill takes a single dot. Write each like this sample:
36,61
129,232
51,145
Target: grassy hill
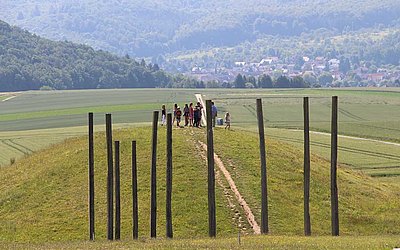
43,198
30,62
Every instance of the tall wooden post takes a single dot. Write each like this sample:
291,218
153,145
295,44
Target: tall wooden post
117,193
110,179
168,209
212,228
264,193
307,222
153,219
135,219
334,145
91,178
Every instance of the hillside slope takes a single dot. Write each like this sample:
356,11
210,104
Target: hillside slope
366,206
44,197
149,28
29,62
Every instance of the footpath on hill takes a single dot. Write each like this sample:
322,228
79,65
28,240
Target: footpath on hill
220,167
239,198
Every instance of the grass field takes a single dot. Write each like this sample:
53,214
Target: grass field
370,114
247,242
29,123
44,197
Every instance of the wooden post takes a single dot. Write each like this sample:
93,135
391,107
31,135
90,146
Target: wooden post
168,209
264,193
334,145
135,220
153,219
110,181
212,228
307,222
117,193
91,178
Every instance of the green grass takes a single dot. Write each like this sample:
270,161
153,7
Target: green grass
76,111
247,242
370,113
360,211
367,156
44,197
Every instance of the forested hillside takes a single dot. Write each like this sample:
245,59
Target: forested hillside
30,62
150,28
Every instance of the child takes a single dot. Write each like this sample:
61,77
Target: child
163,115
178,116
228,120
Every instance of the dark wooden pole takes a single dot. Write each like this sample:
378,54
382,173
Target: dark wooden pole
212,228
134,194
153,219
91,178
117,193
264,193
110,179
168,209
334,145
307,222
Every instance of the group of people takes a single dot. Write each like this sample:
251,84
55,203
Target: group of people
192,115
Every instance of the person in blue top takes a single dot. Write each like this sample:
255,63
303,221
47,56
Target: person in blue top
214,113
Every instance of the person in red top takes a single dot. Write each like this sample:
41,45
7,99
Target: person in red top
191,114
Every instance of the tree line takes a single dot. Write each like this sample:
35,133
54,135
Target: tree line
265,81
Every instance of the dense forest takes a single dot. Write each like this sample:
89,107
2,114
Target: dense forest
30,62
151,28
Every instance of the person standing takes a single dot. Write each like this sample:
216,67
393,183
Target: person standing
175,108
186,114
191,114
214,113
228,120
196,116
163,115
200,107
178,116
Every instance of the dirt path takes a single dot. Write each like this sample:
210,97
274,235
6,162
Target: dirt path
353,138
9,98
246,208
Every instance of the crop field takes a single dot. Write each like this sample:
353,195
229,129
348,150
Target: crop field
34,120
362,113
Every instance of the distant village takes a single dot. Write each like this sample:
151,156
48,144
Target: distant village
316,72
